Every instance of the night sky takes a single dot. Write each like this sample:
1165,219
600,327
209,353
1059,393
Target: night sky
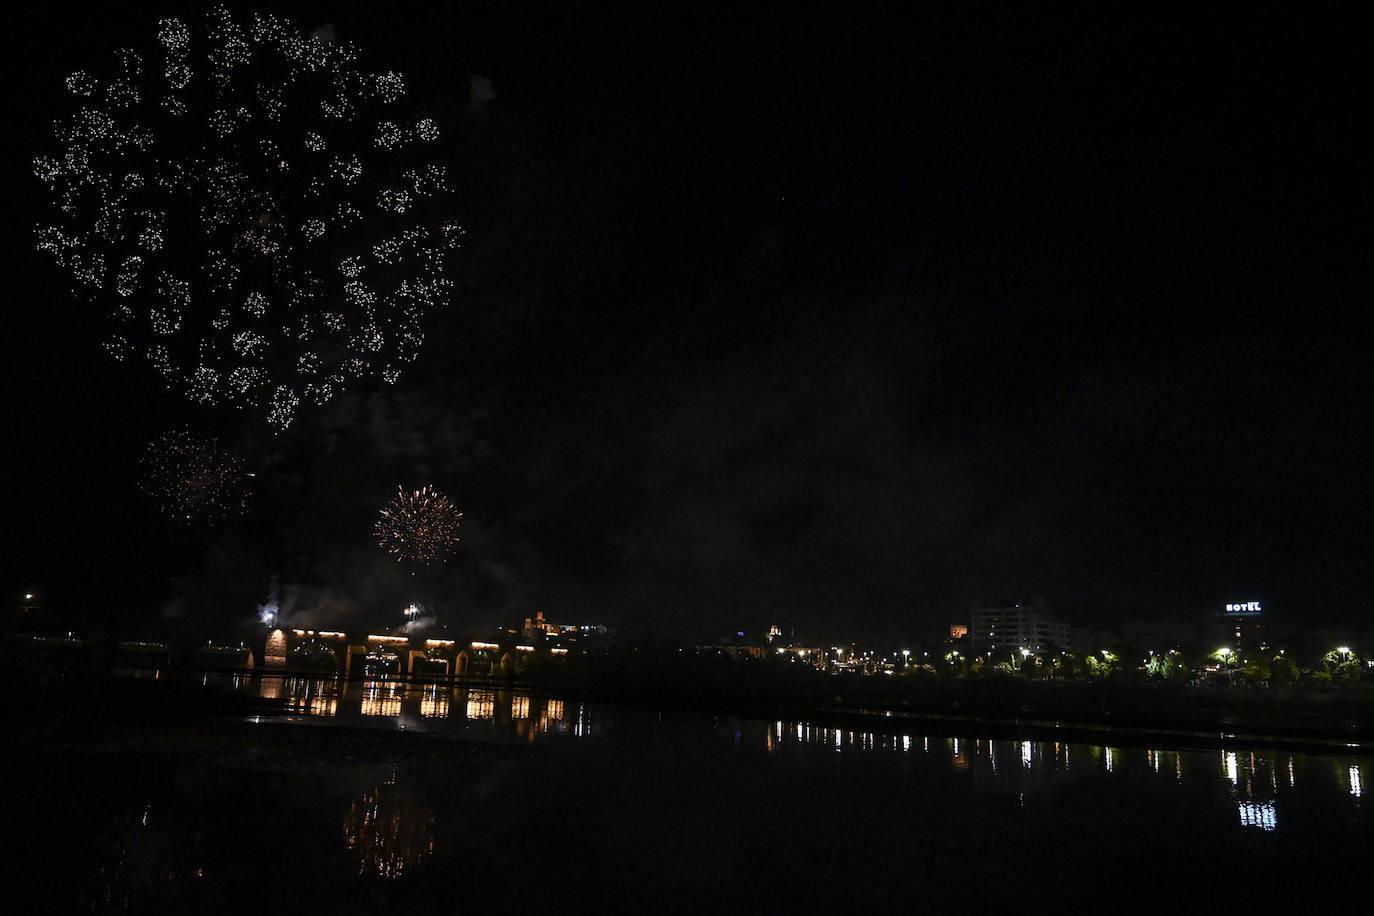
843,322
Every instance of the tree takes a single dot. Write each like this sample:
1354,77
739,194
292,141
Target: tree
956,663
1282,669
1342,664
1258,669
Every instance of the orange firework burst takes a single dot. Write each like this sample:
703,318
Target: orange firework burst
418,525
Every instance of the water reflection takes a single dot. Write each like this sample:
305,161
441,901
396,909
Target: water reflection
382,698
654,793
389,830
435,703
1258,784
143,856
473,712
1255,786
223,680
1258,814
482,704
544,717
311,696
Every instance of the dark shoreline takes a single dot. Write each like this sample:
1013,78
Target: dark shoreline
126,713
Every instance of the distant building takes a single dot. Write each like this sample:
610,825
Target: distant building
539,624
1016,626
1161,635
1239,624
736,646
1086,640
958,630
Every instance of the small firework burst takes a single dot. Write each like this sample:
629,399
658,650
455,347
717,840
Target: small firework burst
418,525
193,480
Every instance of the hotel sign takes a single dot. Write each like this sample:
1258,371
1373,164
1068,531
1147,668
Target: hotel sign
1247,607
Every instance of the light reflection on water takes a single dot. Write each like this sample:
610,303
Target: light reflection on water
704,792
389,829
480,713
1260,784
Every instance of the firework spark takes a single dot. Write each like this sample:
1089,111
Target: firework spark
192,479
263,221
418,525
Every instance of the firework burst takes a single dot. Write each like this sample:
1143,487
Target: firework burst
418,525
262,220
192,479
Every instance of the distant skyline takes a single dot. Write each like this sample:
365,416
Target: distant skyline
760,317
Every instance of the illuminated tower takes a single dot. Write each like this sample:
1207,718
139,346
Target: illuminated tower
1241,624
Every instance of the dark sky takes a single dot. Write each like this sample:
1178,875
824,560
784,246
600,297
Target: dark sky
842,321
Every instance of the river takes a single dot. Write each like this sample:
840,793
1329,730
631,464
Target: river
655,809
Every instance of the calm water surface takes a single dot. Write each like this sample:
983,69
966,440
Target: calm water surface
657,810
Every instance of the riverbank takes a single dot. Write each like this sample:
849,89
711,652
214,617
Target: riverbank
1198,714
206,726
1308,713
124,712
